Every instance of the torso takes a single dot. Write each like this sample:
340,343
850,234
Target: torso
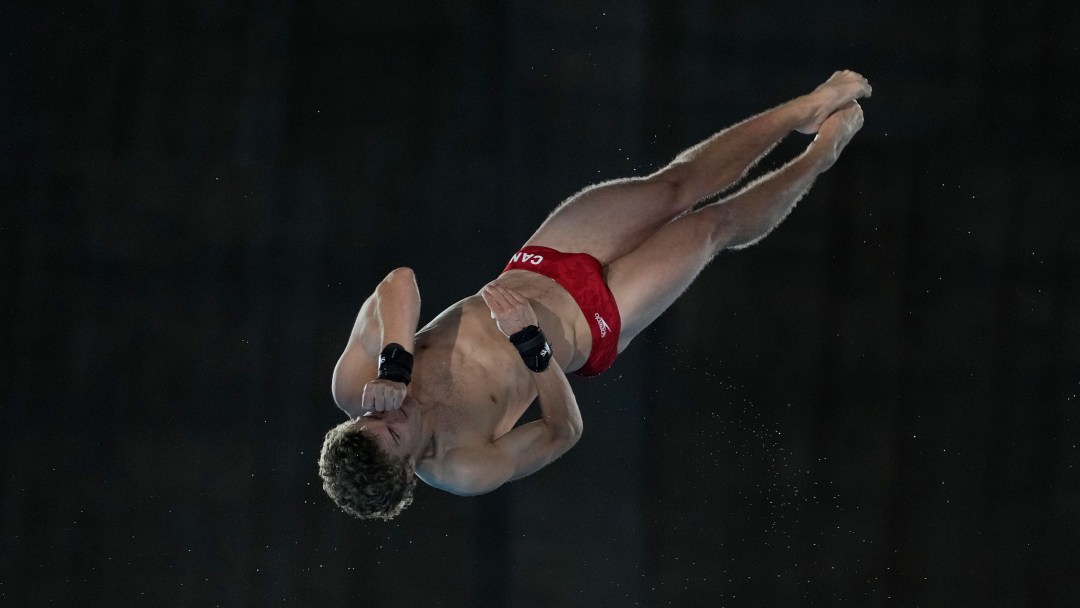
470,379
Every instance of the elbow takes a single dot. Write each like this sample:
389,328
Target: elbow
570,431
400,283
350,403
400,275
578,427
346,395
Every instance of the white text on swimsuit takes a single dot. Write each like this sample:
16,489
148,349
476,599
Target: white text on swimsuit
531,258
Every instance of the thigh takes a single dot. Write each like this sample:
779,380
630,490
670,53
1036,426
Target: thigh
648,280
609,220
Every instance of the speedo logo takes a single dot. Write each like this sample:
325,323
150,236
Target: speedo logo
531,258
602,324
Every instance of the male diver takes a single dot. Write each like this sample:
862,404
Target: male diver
440,404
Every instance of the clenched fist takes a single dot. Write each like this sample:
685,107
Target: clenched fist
383,395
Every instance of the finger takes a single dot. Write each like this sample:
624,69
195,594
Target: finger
499,289
514,300
517,297
489,299
367,402
492,296
393,402
387,398
520,304
498,292
394,396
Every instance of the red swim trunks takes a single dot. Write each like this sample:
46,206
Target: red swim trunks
581,275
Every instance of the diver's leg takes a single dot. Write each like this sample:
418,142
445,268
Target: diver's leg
647,281
611,219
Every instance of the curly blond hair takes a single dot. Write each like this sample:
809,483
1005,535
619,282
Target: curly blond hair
363,480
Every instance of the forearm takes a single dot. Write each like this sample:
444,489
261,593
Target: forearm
516,319
476,469
558,405
756,210
390,314
397,309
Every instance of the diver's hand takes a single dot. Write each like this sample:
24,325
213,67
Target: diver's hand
383,395
511,310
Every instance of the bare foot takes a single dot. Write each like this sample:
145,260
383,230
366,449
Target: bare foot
837,130
840,89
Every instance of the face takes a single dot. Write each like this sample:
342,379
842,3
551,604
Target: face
397,431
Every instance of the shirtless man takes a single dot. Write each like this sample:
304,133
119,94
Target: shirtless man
639,244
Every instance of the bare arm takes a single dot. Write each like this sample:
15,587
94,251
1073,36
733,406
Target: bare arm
527,448
390,314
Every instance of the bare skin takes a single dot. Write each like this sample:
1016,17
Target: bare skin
454,424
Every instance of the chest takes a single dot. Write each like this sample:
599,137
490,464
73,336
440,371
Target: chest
468,384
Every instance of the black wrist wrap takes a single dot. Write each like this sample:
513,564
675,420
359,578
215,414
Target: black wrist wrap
395,364
534,348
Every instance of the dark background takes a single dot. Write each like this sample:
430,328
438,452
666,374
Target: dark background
874,406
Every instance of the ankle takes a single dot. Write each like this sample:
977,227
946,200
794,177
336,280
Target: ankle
821,154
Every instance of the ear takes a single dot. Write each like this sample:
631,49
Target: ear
410,467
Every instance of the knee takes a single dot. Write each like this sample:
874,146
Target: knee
669,190
717,227
678,179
